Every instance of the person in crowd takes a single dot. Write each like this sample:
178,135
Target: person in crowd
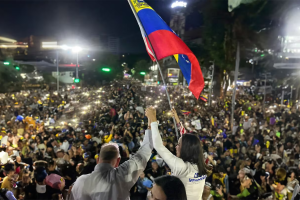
143,185
9,172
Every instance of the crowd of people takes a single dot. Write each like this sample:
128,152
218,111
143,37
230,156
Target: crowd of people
120,141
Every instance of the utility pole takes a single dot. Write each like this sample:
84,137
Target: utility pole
236,73
77,67
282,97
57,68
265,94
211,83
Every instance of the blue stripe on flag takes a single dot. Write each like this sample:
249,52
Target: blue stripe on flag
185,66
152,21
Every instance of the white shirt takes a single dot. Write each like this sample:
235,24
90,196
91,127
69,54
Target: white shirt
140,109
185,171
98,140
108,183
247,124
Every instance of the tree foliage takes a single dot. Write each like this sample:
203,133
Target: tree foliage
254,25
141,66
10,78
93,69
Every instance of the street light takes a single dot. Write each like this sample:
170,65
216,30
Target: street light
6,63
77,49
178,4
143,73
64,47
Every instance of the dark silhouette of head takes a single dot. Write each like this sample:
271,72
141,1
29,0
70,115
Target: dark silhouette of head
168,183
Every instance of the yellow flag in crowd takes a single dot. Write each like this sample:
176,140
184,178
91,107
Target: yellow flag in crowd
212,121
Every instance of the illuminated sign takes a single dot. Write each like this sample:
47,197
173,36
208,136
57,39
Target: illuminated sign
173,73
178,4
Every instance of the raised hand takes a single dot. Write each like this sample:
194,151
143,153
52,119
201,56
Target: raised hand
174,114
151,114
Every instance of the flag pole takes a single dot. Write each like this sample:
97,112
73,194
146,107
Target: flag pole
154,55
237,64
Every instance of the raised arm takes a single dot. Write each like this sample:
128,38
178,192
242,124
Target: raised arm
131,169
179,125
176,164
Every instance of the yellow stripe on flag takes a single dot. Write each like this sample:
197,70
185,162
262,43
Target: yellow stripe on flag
140,5
176,57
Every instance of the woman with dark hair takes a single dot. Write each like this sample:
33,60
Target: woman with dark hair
168,187
188,164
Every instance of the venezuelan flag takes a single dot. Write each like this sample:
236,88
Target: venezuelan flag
185,112
166,43
203,97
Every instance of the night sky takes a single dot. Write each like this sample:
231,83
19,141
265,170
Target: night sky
80,19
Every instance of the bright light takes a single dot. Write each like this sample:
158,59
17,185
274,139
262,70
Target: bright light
76,80
6,63
142,73
49,45
106,69
94,59
64,47
178,4
76,49
7,40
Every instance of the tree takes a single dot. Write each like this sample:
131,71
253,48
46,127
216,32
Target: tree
253,25
10,79
26,68
94,69
141,66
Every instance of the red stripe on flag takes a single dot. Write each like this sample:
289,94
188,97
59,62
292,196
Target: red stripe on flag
166,43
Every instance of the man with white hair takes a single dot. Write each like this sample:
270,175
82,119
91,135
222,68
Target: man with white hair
109,180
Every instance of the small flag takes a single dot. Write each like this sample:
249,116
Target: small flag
185,112
203,97
212,121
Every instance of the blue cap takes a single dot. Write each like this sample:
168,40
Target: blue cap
40,175
147,183
19,118
86,155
